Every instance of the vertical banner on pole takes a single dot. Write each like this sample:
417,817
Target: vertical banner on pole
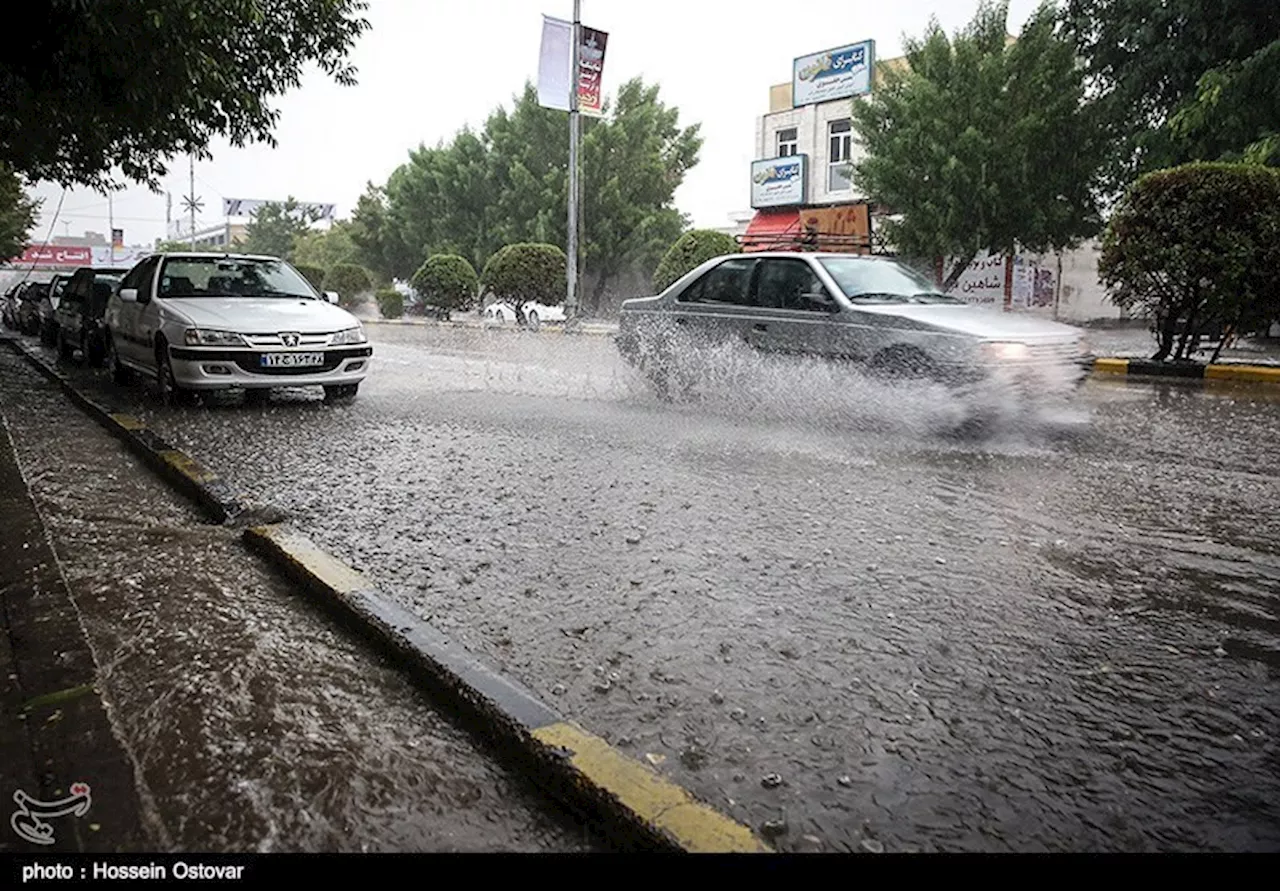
555,64
591,54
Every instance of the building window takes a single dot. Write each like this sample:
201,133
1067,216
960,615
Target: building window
787,143
841,144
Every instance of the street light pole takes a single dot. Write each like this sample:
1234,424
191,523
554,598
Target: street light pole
571,300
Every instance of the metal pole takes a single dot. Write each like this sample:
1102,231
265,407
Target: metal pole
111,226
191,167
571,300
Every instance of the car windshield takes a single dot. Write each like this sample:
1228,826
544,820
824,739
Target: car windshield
216,276
882,281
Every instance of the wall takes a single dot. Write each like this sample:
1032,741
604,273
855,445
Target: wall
811,123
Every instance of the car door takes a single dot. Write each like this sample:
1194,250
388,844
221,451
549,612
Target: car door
797,309
717,308
125,316
71,307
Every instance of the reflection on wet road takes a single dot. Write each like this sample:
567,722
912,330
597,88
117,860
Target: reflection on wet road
255,723
798,601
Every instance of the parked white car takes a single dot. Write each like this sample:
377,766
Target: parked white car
535,313
199,322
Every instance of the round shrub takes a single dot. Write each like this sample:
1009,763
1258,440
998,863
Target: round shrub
390,303
527,273
351,282
447,282
689,252
313,274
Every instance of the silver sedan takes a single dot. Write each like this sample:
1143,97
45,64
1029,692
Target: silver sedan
871,311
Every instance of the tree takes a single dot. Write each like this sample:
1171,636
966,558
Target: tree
17,214
509,184
526,273
1147,62
350,281
313,274
326,248
276,226
690,251
390,303
981,143
447,282
1197,245
115,84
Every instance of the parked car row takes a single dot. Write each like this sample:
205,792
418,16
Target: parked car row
199,322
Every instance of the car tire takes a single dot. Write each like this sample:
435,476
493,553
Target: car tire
91,352
257,396
532,320
340,392
48,335
171,393
64,348
120,373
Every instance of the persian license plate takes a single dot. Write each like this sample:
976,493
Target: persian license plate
292,360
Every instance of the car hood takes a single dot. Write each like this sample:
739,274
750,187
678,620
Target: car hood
976,321
262,315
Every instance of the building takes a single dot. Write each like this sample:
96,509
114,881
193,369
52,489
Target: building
224,235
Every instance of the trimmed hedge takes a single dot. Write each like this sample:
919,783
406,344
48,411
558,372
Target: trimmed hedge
313,274
690,251
390,303
350,281
447,282
527,273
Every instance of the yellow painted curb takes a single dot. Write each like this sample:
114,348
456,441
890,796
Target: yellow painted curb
187,466
304,555
129,422
664,806
1111,366
1256,373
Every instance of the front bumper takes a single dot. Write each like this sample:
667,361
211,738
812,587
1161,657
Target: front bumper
206,368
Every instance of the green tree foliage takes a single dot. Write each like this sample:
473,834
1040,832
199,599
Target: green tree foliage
352,282
1195,246
276,226
447,282
690,251
17,214
326,248
115,84
509,184
1172,81
313,274
981,144
390,303
526,273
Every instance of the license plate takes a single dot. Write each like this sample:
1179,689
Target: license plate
292,360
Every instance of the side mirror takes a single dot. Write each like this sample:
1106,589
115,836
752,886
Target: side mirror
331,296
821,301
129,295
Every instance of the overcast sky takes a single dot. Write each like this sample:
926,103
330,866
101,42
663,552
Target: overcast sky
428,68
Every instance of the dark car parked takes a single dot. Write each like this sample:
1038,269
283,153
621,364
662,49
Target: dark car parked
78,321
48,305
9,306
29,306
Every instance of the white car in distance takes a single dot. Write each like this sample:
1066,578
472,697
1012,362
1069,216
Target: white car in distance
197,322
502,313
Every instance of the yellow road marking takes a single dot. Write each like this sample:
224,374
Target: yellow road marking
1111,366
661,804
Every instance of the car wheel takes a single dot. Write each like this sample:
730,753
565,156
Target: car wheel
91,351
257,396
533,321
47,335
340,392
120,373
64,348
167,384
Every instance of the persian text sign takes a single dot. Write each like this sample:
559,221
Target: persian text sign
834,74
591,72
779,182
53,255
983,281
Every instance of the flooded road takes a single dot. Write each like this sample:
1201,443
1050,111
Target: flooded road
256,724
796,599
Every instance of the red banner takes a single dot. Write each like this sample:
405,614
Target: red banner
54,255
591,59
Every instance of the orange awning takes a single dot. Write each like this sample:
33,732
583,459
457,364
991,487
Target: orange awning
772,230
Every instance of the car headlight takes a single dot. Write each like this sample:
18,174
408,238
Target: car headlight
1006,352
205,337
349,336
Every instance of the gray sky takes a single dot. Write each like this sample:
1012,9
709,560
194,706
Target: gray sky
427,69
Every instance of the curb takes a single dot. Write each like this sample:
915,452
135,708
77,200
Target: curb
211,493
583,771
1261,374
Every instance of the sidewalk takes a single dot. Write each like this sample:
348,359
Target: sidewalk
1136,343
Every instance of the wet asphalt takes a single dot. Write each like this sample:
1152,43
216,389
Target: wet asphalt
255,723
797,598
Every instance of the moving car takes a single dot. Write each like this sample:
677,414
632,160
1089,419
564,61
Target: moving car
29,306
78,320
871,311
48,306
502,313
200,322
9,306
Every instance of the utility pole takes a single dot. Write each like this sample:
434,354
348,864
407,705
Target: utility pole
111,226
191,169
571,301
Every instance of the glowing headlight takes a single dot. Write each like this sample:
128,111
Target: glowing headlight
1006,352
204,337
350,335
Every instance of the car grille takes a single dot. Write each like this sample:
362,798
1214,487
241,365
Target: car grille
1054,353
274,341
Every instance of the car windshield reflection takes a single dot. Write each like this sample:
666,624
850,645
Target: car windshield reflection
865,280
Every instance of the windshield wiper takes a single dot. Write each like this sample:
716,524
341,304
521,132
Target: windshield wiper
883,296
934,297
